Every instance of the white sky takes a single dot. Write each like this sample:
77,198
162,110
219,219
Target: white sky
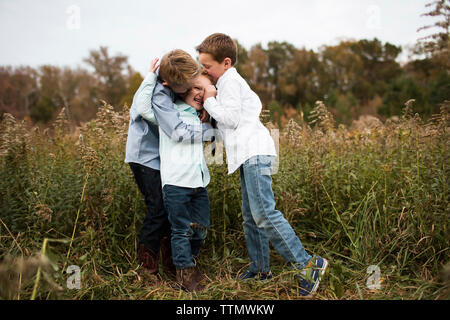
49,32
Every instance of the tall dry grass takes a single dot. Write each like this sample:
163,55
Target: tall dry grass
370,194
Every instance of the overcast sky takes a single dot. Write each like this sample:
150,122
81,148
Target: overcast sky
61,32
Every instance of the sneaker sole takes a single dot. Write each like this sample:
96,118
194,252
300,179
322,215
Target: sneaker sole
322,272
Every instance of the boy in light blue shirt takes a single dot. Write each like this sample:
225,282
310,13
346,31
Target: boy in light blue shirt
178,72
184,177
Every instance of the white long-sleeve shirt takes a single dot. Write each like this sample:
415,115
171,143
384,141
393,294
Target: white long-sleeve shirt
236,109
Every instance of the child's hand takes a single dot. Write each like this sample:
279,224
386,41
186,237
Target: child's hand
154,65
204,116
210,91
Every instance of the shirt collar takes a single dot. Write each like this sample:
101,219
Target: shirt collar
227,73
183,106
166,89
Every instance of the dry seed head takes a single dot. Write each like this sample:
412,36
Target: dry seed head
61,124
89,156
13,137
292,133
44,212
104,115
407,110
439,124
366,123
322,117
111,127
107,195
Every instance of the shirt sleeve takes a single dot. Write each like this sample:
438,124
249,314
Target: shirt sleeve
208,132
228,112
144,98
169,118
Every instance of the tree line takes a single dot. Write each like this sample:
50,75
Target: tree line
39,93
352,78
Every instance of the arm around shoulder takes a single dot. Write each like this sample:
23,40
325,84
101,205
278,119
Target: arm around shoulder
169,118
144,98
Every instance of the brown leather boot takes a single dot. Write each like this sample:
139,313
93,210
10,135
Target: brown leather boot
166,257
186,278
199,276
148,259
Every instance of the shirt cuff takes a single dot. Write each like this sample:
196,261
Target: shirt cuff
150,77
211,101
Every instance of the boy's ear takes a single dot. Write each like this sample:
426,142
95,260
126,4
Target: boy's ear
227,63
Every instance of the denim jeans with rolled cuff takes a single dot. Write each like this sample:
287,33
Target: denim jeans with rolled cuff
188,210
262,222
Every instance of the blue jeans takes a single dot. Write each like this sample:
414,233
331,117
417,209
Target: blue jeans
262,222
156,223
188,210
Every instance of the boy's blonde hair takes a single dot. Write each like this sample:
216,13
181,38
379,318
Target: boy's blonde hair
219,46
178,68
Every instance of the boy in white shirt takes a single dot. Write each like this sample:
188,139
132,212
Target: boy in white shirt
250,148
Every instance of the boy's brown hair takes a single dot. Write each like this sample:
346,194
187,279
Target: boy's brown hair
206,74
178,68
219,46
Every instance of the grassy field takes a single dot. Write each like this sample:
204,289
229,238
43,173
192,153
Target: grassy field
371,194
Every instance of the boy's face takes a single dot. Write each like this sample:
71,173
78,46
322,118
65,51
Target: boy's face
194,97
215,69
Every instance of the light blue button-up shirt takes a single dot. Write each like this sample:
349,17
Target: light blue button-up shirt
143,136
182,164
